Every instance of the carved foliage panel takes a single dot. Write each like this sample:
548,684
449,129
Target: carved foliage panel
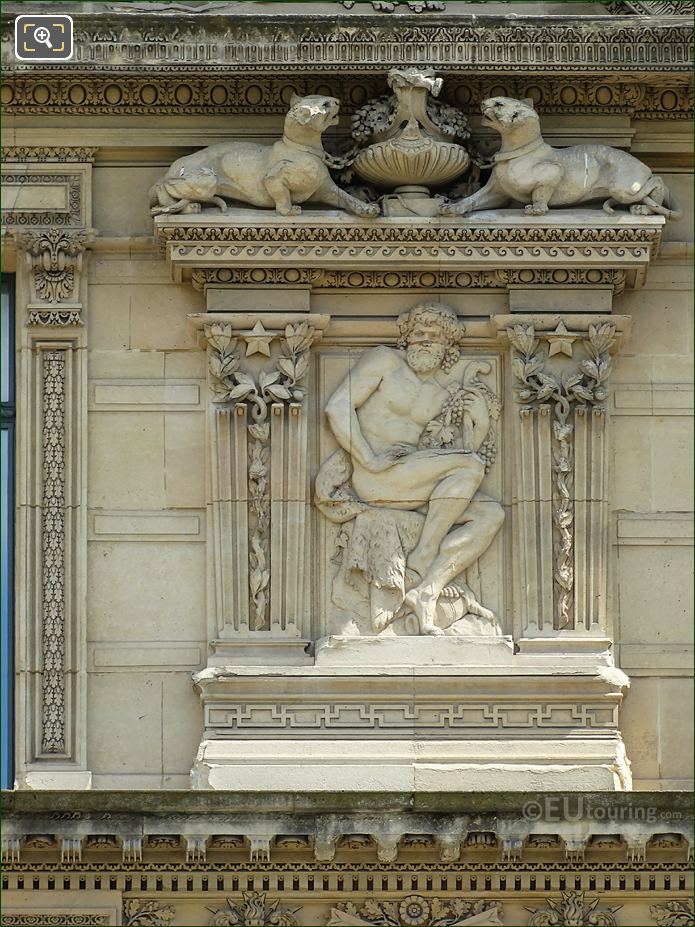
51,529
561,379
258,472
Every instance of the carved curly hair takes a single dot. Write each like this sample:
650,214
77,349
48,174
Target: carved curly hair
446,321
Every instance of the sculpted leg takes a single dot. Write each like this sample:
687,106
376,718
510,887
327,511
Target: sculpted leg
274,183
458,551
487,198
449,500
334,196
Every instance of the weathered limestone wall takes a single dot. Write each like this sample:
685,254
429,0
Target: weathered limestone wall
145,573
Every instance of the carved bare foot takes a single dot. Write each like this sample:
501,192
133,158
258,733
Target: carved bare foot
535,209
423,603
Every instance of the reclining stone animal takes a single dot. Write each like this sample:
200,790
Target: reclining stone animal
283,175
529,171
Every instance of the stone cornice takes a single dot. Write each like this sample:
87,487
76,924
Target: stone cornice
449,827
324,44
578,240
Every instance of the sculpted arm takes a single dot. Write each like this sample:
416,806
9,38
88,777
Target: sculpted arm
341,410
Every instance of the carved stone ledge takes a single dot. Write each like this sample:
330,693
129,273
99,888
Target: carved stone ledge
667,96
371,44
244,240
317,279
31,153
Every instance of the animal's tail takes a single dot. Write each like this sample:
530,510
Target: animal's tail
673,208
153,193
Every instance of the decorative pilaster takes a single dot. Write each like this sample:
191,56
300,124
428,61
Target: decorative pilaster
561,379
51,535
258,496
49,244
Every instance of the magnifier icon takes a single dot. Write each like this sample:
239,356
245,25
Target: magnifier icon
43,35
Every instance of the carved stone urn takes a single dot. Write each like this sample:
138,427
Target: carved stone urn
413,146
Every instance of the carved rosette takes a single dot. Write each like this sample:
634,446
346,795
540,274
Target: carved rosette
416,911
257,388
562,520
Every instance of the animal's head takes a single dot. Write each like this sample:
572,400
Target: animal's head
505,114
193,183
316,112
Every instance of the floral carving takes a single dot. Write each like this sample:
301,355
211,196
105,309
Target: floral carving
55,256
416,911
254,911
282,384
147,913
49,317
54,920
259,522
53,550
673,914
573,909
540,388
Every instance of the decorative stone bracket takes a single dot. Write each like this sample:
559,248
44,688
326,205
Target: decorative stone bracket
54,260
258,366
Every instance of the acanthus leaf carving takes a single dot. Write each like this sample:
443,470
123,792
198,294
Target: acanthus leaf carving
573,908
54,257
673,914
254,908
141,913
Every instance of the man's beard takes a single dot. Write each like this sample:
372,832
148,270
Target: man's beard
425,357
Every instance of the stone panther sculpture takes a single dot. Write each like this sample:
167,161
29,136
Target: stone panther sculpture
528,170
283,175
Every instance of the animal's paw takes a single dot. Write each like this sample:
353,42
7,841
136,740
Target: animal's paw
191,208
289,210
452,209
640,210
369,211
533,210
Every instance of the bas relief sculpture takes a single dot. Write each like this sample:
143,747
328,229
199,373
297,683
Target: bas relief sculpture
280,176
528,170
415,428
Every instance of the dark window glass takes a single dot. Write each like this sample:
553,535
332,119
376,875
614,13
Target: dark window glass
7,423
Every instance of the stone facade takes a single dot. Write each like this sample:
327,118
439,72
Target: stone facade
353,532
